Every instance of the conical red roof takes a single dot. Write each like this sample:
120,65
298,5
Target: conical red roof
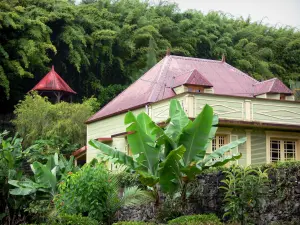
53,82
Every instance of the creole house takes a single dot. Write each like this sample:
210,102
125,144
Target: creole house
264,112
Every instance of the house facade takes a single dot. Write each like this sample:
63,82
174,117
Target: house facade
264,112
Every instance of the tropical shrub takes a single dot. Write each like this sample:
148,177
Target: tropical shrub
245,192
37,118
45,179
173,155
66,219
86,192
94,191
11,207
204,219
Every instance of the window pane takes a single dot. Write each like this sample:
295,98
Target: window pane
289,150
214,144
221,141
275,150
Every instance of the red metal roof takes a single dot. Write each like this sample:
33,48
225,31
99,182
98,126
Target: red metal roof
192,77
53,82
79,151
271,86
158,83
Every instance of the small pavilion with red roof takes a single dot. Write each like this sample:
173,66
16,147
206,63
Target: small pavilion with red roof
54,87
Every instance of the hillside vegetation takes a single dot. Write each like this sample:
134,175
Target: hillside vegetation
101,46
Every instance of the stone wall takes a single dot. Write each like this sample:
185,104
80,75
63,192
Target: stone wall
282,200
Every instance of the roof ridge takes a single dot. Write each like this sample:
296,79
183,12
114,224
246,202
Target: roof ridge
261,82
190,73
273,80
167,59
195,59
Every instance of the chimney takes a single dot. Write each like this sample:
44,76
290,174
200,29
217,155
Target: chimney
223,58
168,52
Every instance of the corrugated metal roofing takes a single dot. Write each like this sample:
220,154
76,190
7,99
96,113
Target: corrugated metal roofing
159,81
53,82
192,77
271,86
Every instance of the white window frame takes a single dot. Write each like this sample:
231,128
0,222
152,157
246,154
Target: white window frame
282,136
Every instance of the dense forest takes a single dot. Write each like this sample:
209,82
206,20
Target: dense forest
100,46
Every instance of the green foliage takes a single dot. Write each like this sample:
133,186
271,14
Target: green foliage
171,156
36,119
66,219
204,219
133,223
42,149
11,207
245,192
86,192
170,209
101,43
93,191
46,177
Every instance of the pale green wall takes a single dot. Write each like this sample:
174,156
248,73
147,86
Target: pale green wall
106,128
160,111
240,133
258,147
224,107
276,111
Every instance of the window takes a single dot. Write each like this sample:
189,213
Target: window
218,141
195,89
282,96
282,150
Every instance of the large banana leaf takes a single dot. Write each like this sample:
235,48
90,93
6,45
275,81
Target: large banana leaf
141,142
145,123
44,175
169,172
177,120
26,187
120,157
165,142
219,153
147,178
222,161
196,135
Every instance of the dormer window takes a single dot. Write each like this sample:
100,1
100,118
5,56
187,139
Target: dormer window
197,89
191,81
272,89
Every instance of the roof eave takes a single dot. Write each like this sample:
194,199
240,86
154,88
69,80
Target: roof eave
114,114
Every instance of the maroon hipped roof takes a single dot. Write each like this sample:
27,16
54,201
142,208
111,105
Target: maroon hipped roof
192,77
271,86
158,83
53,82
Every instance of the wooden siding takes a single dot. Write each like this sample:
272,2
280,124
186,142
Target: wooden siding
224,107
241,148
106,128
160,111
276,112
258,147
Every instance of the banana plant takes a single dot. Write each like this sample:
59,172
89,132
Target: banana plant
46,177
173,155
